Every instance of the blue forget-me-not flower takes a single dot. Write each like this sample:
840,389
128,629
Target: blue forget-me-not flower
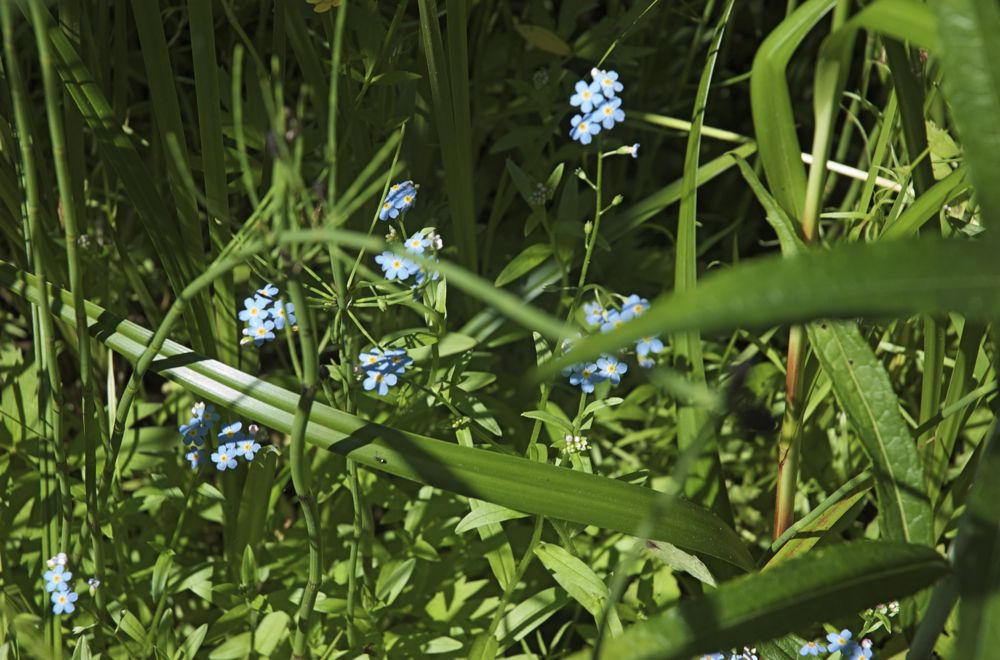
611,369
232,432
610,113
585,376
379,381
812,648
839,640
417,243
254,309
633,306
247,447
57,578
224,457
607,82
584,128
587,97
612,321
268,291
282,314
646,345
400,198
195,457
62,602
396,267
596,314
260,332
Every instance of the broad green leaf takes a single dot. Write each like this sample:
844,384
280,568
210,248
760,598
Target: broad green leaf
272,629
544,39
833,582
863,389
392,579
679,560
486,514
887,279
977,559
510,481
580,582
248,569
970,40
161,572
192,643
254,510
237,646
553,420
130,625
528,615
531,257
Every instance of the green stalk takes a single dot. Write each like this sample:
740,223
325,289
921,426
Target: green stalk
50,384
68,206
300,470
346,342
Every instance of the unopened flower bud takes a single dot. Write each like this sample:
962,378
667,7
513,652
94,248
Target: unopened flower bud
618,199
587,228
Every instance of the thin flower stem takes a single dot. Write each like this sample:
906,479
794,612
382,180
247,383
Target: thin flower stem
591,237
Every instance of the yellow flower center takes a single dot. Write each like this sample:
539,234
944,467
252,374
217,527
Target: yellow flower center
407,198
378,378
397,264
261,331
253,311
608,110
608,82
612,368
585,95
583,127
387,205
223,457
638,309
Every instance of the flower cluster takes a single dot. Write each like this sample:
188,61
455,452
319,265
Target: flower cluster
599,104
382,368
587,375
396,266
264,314
842,642
233,443
57,581
576,444
399,199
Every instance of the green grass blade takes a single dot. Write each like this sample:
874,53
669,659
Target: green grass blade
977,559
970,41
510,481
824,585
862,386
927,205
889,279
449,96
771,105
704,483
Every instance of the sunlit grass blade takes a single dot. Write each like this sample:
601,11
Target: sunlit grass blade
771,104
890,279
821,586
510,481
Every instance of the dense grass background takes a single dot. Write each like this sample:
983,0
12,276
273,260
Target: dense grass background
812,443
